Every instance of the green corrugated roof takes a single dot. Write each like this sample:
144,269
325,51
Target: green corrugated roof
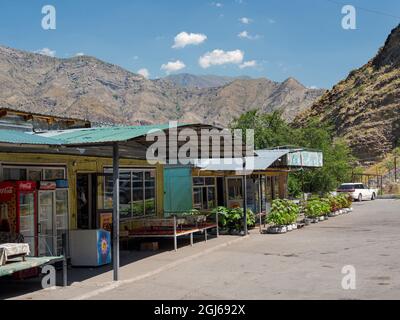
102,135
19,137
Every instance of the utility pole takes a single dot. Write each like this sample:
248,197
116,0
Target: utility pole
395,168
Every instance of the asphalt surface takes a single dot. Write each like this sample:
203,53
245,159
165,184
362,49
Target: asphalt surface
303,264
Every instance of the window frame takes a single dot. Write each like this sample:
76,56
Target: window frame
201,188
108,174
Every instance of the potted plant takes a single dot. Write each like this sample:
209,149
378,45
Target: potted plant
283,216
231,220
313,211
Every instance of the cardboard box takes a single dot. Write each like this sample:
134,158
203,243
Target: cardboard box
149,246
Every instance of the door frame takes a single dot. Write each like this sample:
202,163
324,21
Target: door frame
239,201
92,198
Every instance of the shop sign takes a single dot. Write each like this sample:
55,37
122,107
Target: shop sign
26,185
6,191
48,185
106,221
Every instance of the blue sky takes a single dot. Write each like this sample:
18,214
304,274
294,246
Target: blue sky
299,38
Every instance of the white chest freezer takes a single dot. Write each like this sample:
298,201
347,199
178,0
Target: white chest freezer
90,248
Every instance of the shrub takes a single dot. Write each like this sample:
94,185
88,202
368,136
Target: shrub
317,208
233,218
283,212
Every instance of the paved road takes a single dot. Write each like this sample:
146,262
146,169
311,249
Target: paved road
305,264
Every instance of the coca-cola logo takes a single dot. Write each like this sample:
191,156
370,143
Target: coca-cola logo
25,186
6,190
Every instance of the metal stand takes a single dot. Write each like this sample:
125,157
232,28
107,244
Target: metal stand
175,236
115,222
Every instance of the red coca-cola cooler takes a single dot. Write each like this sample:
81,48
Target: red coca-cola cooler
19,211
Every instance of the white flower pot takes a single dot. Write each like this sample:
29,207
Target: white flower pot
289,228
321,218
294,226
277,230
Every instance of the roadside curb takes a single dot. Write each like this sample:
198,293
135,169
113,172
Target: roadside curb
389,197
108,286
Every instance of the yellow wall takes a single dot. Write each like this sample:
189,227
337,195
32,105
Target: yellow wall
82,164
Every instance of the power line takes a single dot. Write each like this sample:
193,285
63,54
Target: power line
366,9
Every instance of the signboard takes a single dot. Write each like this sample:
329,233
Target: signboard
106,221
26,185
306,159
48,185
6,191
103,247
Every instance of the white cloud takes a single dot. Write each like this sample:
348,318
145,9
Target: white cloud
144,72
173,66
247,35
313,87
46,52
248,64
220,57
79,54
245,20
271,21
217,4
184,39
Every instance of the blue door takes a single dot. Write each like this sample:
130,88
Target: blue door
177,190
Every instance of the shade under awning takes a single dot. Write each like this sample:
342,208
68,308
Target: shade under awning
264,160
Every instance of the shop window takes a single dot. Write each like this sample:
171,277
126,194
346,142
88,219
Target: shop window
204,193
138,196
137,193
125,196
276,187
268,189
33,173
235,189
52,174
14,174
150,193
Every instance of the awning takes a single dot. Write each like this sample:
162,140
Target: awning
262,162
24,138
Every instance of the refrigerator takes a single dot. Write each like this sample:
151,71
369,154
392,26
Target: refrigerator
53,217
90,248
18,204
46,223
62,221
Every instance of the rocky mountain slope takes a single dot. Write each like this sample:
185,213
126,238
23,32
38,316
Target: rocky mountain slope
187,80
365,108
85,87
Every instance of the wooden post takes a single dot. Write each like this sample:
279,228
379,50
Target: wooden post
115,220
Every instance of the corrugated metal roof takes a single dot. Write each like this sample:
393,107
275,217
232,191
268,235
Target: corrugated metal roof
263,161
103,134
19,137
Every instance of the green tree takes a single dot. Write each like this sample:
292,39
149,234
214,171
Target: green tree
270,130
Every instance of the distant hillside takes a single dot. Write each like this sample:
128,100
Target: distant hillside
365,108
187,80
85,87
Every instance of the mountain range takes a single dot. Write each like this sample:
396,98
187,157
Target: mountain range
85,87
365,107
187,80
